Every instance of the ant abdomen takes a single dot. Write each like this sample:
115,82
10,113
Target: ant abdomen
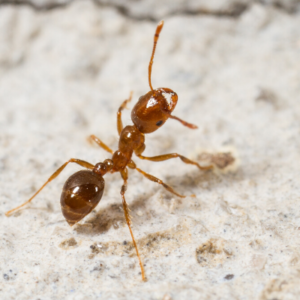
153,109
81,194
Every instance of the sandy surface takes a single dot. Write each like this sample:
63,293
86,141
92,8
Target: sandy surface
63,74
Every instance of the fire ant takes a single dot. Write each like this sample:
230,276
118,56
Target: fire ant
83,190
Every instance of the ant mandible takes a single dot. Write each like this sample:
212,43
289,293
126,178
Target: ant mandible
83,190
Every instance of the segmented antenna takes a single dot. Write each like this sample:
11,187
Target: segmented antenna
156,36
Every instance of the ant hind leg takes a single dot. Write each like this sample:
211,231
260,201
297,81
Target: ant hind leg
155,179
124,175
53,176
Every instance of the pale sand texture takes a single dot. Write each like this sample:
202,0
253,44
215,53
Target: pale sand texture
63,74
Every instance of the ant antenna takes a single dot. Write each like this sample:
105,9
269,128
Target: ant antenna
156,36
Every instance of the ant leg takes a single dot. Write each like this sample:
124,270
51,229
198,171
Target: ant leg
53,176
155,179
131,164
119,113
100,143
184,123
174,155
124,175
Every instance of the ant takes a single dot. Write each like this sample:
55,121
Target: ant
83,190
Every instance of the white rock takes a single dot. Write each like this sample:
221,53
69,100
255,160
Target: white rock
64,73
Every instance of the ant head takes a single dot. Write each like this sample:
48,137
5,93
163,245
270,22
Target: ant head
153,109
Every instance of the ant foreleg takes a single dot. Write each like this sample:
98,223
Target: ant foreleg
155,179
124,175
100,143
53,176
119,113
174,155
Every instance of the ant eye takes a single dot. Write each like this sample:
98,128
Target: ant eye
159,123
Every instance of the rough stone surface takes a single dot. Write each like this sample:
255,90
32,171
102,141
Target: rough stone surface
64,73
155,10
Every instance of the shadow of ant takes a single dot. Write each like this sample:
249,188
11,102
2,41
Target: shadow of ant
113,215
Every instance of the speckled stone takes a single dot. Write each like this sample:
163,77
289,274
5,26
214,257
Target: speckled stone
63,74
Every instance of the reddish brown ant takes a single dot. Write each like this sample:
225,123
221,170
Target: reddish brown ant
83,190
